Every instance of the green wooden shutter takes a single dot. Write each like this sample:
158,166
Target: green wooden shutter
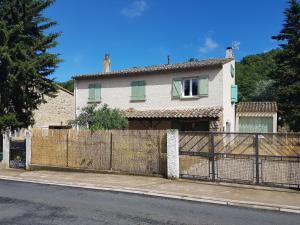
203,86
234,93
138,90
91,92
97,92
176,88
94,92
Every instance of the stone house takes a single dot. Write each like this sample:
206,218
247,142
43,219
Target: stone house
196,96
56,112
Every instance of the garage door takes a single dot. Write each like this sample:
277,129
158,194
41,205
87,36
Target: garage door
256,124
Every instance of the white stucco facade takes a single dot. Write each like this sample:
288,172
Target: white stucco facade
116,91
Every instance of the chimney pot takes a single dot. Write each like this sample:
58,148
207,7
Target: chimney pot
106,64
229,53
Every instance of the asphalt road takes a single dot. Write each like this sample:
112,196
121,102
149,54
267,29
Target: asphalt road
36,204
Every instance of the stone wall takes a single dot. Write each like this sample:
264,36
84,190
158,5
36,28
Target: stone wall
57,111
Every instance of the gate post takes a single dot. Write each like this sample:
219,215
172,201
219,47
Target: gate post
6,149
173,154
212,156
257,158
28,149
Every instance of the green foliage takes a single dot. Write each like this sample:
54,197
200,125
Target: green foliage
69,85
254,77
287,74
25,62
9,120
103,118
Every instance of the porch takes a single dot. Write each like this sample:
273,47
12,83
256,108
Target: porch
200,119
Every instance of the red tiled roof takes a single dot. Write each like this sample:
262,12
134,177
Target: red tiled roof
160,68
257,107
214,112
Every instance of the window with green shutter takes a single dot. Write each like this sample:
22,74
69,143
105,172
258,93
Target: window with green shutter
94,92
234,93
176,88
203,86
138,90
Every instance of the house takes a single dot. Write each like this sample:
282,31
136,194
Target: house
189,96
57,111
260,117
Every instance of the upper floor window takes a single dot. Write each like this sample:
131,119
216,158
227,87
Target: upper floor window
138,90
190,87
94,93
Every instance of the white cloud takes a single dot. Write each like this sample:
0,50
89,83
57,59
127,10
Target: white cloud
135,9
208,45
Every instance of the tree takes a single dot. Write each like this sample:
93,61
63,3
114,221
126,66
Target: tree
287,75
103,118
69,85
25,62
254,77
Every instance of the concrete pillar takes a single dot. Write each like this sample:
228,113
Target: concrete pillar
173,154
6,147
28,149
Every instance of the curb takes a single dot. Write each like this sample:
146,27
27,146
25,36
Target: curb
219,201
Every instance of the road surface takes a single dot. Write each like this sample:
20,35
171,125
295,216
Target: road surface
36,204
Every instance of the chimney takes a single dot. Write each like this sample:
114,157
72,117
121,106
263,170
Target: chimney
229,53
106,64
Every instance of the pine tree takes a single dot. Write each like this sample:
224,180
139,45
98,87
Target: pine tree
25,61
287,74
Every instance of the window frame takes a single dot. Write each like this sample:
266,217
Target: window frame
190,79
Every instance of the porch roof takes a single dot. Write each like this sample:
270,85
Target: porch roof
212,112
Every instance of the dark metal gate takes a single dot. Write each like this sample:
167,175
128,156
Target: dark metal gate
17,154
262,159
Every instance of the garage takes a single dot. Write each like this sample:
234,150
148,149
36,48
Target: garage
256,117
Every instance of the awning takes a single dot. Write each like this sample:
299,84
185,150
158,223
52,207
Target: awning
213,112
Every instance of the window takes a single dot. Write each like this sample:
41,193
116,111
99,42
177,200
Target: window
94,93
190,87
138,90
234,94
232,70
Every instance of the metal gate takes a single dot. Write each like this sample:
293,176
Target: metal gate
17,154
262,159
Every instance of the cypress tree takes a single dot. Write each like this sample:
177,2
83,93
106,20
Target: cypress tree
25,60
287,74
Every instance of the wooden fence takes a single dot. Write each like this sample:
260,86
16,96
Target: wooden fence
129,151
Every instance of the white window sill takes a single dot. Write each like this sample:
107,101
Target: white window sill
189,97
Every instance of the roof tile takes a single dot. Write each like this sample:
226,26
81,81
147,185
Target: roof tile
257,107
160,68
213,112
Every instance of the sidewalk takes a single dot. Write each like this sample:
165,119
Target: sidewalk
237,195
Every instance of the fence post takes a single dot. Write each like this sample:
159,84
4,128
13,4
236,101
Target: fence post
67,150
6,149
212,156
28,149
257,158
111,151
173,154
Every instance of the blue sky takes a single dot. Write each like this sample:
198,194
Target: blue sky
144,32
